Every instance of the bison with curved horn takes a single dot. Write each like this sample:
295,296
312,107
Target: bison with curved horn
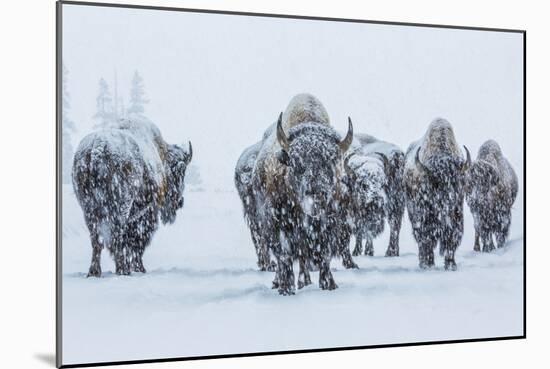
435,171
374,174
491,189
297,178
125,178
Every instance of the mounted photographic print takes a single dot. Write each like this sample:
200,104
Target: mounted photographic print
235,184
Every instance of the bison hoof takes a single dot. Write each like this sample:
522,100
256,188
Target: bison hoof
140,269
328,283
369,252
123,272
351,265
286,291
356,252
476,248
329,286
450,265
425,265
94,272
392,253
267,267
303,283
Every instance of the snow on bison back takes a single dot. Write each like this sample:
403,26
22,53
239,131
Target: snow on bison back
124,177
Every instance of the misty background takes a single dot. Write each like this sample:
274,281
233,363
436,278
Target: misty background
220,80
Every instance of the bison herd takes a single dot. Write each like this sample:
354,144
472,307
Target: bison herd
306,190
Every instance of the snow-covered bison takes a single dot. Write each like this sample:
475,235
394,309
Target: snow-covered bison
297,181
491,189
434,185
243,183
374,177
124,177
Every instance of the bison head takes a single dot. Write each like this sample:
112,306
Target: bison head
312,154
177,160
365,180
444,178
444,170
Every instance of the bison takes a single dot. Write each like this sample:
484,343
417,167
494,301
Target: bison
491,189
434,178
297,181
125,177
243,183
374,177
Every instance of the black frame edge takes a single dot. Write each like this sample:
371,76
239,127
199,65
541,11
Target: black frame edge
286,16
524,184
291,352
58,183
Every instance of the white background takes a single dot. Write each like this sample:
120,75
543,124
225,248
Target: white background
27,185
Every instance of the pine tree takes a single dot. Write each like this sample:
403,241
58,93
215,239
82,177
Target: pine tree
137,96
67,128
104,115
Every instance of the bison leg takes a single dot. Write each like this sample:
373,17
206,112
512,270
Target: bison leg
95,266
501,239
347,261
137,261
284,277
262,250
369,248
304,278
449,244
275,283
358,250
264,260
450,263
426,254
487,241
476,242
395,228
326,280
502,234
121,256
285,283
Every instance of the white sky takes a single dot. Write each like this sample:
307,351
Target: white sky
219,80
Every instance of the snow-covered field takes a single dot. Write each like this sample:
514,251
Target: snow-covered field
203,295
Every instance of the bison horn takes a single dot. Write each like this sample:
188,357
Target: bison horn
384,159
468,162
281,136
189,153
419,164
346,142
346,163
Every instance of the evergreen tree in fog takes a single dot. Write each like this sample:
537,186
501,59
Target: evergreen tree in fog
137,96
67,128
104,115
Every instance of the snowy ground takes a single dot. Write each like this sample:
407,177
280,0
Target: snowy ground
202,294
